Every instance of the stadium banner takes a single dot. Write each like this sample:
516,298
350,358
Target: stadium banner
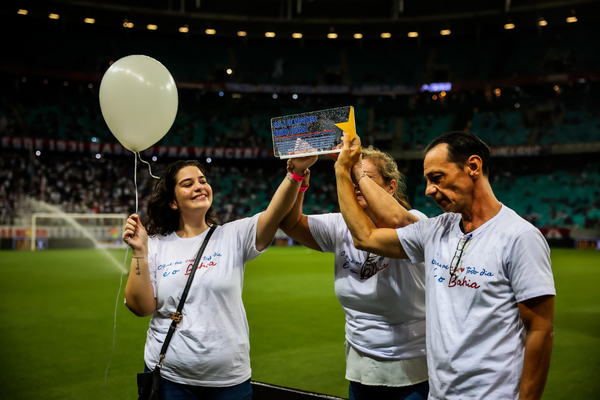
10,232
520,151
265,88
436,87
73,146
62,232
389,90
555,233
368,90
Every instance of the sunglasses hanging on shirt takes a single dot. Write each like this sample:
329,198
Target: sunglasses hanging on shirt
460,249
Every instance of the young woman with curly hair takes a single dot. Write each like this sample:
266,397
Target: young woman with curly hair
209,354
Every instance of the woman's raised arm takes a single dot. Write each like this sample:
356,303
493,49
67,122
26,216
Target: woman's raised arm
282,202
295,224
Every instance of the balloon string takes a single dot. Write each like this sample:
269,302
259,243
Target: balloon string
121,283
135,181
115,325
149,167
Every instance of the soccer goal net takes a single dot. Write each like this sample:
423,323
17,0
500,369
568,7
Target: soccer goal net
69,231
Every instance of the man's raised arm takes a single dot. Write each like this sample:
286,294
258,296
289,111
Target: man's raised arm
365,234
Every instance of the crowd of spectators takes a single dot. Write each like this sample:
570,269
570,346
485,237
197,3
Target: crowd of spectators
74,183
556,197
517,117
538,114
82,183
554,194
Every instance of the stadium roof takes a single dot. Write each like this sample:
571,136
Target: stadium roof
316,18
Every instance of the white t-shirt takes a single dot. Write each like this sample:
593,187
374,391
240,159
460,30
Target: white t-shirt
211,345
475,336
385,314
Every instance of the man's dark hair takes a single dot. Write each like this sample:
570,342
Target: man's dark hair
461,146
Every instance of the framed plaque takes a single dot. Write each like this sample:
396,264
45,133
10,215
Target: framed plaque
317,132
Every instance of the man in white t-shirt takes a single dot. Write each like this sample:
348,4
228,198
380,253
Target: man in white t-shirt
489,285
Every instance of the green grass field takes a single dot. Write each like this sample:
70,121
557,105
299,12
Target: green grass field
58,307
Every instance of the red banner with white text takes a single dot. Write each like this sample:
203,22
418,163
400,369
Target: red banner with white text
73,146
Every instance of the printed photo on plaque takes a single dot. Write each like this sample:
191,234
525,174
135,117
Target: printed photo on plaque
317,132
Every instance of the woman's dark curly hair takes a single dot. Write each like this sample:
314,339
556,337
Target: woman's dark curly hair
160,218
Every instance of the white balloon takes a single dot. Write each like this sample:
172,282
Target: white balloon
138,99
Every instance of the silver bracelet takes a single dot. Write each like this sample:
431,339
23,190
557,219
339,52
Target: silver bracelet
289,178
362,176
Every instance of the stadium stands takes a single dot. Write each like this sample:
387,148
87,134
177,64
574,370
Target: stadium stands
559,198
317,62
209,120
532,93
532,114
563,194
501,128
85,184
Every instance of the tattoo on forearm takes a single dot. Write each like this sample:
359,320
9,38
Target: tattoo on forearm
138,267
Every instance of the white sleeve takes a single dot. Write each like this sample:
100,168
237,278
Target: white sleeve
244,231
418,214
529,266
411,240
152,253
324,229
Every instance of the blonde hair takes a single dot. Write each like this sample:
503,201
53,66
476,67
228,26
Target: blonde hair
388,169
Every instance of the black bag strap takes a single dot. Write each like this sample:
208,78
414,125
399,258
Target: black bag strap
177,316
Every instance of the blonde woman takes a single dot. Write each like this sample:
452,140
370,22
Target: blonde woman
383,298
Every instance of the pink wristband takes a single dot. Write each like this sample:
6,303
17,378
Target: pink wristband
303,188
297,177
